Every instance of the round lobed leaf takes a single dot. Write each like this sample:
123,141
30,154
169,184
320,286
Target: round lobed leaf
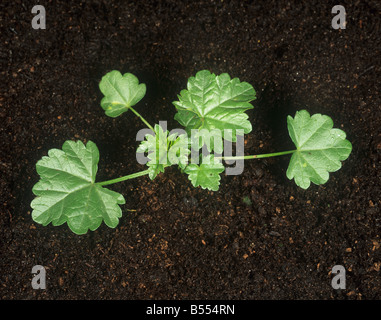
320,148
67,191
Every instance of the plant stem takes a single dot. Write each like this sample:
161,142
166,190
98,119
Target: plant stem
257,156
128,177
141,118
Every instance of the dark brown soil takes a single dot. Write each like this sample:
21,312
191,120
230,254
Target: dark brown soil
259,236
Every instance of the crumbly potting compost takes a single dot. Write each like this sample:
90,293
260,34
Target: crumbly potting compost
259,236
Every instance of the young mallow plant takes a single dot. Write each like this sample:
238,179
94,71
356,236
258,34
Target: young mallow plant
212,111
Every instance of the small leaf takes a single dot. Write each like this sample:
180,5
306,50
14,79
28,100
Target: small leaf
156,147
178,151
207,174
320,149
215,102
67,191
120,92
164,151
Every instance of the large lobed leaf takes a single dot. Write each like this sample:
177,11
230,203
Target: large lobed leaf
215,102
320,148
67,191
120,92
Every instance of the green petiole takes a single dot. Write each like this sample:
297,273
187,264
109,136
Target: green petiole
145,172
124,178
257,156
141,118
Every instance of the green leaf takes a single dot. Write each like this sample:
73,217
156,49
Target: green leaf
320,148
207,174
212,139
67,191
178,151
156,147
215,102
120,92
163,150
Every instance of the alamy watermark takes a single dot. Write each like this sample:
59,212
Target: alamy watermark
339,280
39,20
39,278
338,21
220,141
